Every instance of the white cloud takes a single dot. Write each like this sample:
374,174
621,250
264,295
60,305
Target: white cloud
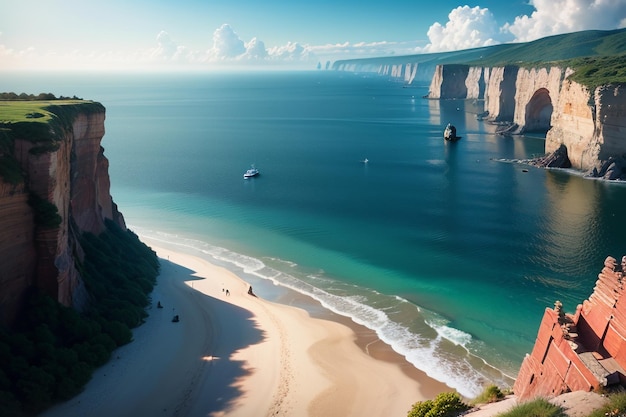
471,27
292,51
467,27
166,47
371,49
255,49
169,51
226,44
228,48
552,17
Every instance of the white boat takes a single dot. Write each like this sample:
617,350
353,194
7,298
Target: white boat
252,172
365,161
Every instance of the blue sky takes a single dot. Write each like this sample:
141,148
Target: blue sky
207,34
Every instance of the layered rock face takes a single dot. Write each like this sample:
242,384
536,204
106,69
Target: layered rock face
477,79
75,179
590,124
449,82
583,351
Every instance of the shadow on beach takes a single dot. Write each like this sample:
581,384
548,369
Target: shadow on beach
184,368
212,331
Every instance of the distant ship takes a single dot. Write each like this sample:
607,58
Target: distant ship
449,133
252,172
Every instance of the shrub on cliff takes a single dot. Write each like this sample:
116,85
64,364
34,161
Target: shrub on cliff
10,170
446,404
536,408
490,394
46,213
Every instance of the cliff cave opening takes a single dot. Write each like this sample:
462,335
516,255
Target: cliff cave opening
538,112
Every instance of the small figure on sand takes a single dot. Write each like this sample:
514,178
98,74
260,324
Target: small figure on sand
227,292
159,305
175,319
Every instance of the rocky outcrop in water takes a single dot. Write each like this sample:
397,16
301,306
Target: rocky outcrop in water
556,159
64,191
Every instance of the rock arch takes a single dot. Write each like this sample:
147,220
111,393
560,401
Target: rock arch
538,112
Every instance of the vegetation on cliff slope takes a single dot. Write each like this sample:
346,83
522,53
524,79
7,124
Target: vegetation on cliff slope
567,46
446,404
535,408
46,214
52,352
596,71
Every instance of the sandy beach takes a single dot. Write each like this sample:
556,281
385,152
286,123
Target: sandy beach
235,354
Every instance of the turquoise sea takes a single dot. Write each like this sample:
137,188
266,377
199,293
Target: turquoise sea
449,255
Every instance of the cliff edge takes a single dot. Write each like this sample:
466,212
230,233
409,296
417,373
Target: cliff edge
54,186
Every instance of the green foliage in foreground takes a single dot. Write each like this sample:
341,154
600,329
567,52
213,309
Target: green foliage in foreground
52,352
446,404
536,408
490,394
615,407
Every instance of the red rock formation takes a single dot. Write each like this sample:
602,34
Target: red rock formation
583,351
75,179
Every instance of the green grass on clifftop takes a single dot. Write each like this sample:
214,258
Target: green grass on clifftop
595,71
43,122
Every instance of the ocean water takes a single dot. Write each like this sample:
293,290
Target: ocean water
449,254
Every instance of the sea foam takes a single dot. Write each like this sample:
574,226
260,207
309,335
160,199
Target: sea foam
430,353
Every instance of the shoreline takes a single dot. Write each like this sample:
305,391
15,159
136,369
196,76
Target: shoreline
241,355
367,340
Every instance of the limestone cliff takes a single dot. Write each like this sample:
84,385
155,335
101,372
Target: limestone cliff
65,172
449,82
590,124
